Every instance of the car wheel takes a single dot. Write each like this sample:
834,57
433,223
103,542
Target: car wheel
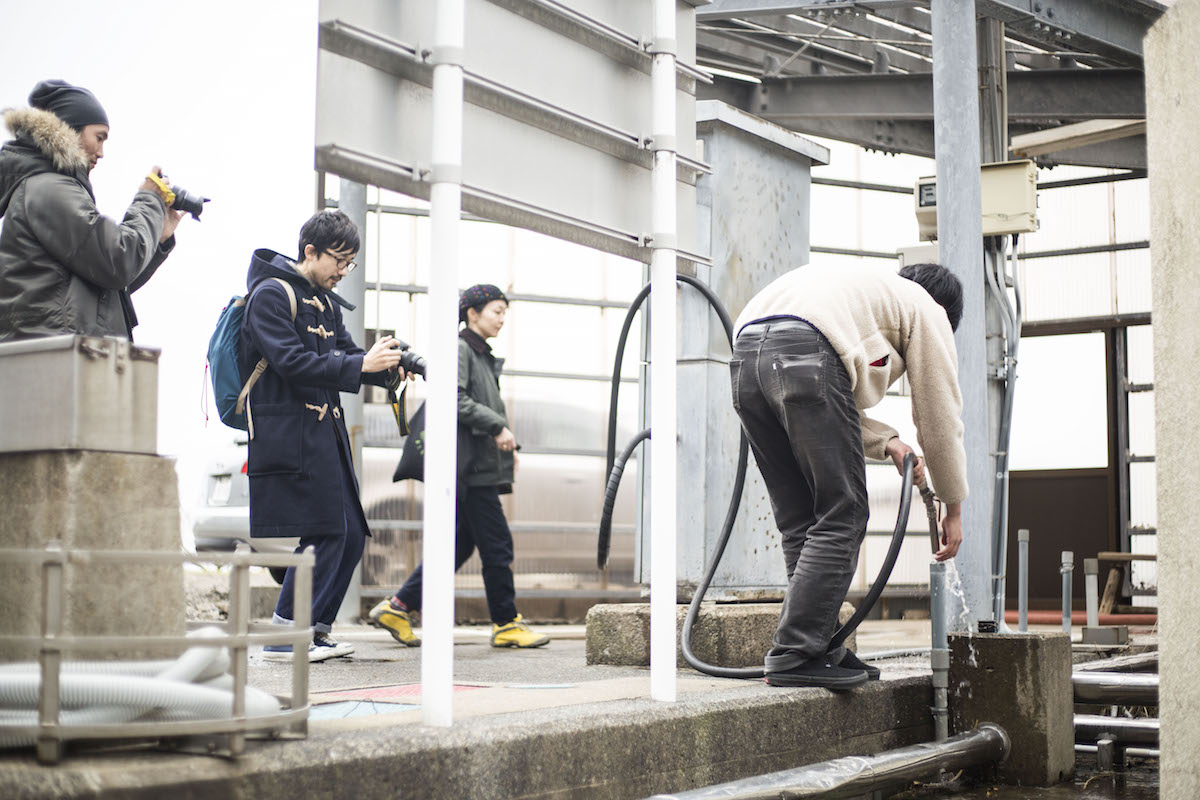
278,573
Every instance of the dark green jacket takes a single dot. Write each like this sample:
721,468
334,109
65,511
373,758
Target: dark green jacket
64,268
481,410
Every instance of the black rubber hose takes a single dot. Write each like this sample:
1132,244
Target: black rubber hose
604,542
630,314
615,472
610,497
843,632
638,299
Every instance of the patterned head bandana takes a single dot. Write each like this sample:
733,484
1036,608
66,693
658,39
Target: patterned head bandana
477,297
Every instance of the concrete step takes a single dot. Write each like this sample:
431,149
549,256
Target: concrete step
593,734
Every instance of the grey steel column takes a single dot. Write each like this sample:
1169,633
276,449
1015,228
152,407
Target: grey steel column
960,238
352,201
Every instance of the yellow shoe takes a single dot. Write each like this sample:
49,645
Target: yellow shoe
516,634
397,623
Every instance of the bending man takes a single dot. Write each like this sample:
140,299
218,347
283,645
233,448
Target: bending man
813,349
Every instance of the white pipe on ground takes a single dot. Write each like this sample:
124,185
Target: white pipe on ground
109,692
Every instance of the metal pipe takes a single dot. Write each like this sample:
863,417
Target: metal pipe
854,776
1116,688
1067,569
441,415
663,447
999,329
1023,580
1092,727
1138,752
1091,588
939,653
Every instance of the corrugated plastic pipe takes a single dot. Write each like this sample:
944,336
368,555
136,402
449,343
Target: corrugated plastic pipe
855,776
110,692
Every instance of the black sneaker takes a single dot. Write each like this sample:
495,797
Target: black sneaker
820,673
851,661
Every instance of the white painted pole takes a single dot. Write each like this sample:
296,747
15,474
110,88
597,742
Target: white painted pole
441,406
662,357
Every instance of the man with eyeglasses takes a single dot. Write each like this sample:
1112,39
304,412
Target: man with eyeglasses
301,473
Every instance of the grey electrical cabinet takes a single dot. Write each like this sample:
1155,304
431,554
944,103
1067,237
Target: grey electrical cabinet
1008,193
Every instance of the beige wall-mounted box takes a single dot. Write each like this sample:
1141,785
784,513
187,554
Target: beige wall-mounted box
1008,195
78,393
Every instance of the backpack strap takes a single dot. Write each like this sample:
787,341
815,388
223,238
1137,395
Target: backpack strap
261,366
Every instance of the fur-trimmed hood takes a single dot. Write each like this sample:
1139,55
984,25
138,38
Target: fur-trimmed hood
43,143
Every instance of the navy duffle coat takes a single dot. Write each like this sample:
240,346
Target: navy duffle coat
297,475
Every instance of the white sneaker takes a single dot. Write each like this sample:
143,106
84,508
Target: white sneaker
324,641
283,652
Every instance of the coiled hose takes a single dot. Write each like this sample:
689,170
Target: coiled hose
616,468
194,686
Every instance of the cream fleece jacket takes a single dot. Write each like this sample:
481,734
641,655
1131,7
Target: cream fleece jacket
871,316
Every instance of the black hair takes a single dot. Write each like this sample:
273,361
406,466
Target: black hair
942,285
328,231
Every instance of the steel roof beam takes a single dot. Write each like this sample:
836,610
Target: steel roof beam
744,43
1041,96
847,42
913,136
1109,28
730,9
1112,28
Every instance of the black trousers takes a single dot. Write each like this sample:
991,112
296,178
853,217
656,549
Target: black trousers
337,557
793,396
481,524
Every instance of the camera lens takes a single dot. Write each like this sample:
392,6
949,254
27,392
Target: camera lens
188,202
411,362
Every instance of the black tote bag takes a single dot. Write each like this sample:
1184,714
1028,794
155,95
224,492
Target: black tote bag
412,457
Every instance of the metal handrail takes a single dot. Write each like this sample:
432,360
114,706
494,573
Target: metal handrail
51,733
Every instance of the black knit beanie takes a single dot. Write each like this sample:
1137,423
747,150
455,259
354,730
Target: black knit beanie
477,297
74,105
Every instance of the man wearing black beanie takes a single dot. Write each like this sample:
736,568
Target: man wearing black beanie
64,268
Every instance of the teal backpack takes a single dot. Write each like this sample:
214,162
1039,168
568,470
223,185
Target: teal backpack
230,391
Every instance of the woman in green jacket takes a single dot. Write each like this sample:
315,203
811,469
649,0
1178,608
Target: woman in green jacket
487,475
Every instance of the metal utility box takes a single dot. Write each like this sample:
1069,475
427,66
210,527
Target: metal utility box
78,393
1009,199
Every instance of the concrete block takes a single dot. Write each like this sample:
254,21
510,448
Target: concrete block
1172,114
727,635
1021,682
90,500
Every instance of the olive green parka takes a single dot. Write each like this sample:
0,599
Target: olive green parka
65,268
481,410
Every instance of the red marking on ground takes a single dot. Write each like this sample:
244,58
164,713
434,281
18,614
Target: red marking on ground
383,693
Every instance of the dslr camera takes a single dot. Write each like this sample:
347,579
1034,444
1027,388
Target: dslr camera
409,361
